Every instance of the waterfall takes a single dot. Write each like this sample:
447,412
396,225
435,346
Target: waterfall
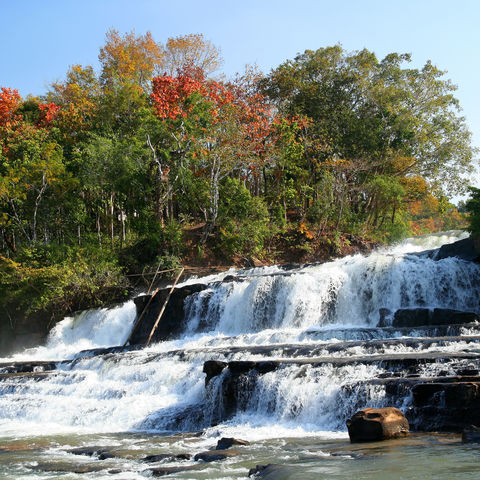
87,330
345,292
319,320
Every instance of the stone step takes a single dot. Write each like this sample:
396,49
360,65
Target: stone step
292,349
27,375
25,367
388,362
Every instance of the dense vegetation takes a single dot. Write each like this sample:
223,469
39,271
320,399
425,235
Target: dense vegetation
159,160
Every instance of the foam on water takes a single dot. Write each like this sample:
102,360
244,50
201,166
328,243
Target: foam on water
86,330
312,306
348,292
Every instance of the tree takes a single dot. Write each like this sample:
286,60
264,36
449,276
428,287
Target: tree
33,166
78,98
371,119
189,50
472,206
9,103
218,127
129,59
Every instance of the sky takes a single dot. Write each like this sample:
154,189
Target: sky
40,39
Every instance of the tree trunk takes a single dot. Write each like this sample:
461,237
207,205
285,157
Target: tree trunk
112,210
213,208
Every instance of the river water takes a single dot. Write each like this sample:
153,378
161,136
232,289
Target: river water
154,401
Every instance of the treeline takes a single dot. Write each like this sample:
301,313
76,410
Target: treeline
157,157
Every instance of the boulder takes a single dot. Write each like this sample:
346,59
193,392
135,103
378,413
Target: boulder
166,456
272,471
471,434
227,442
215,455
374,424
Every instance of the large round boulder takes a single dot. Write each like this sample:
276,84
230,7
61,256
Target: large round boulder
374,424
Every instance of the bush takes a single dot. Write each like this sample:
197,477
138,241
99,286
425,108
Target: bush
243,220
86,278
473,208
146,252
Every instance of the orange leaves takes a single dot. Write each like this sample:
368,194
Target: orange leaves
303,229
169,94
9,102
48,112
129,58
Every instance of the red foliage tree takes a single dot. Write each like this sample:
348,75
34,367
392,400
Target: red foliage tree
9,102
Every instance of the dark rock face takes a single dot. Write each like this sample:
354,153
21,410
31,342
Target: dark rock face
213,368
226,442
455,395
374,424
172,323
464,249
416,317
449,406
19,331
236,385
385,317
467,249
471,434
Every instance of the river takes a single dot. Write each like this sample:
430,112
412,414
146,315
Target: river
319,322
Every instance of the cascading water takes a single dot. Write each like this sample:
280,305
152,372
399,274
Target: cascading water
317,326
87,330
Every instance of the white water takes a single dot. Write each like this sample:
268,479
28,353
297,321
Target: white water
147,390
86,330
348,292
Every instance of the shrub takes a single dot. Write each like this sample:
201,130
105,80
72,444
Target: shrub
243,220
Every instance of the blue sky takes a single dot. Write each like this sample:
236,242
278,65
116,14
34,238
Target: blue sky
40,39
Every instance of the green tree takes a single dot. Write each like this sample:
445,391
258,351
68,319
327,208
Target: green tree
373,118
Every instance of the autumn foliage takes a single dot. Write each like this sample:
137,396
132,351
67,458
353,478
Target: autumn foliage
9,102
152,144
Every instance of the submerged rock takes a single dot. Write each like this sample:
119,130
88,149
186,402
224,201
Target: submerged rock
215,455
66,468
227,442
373,424
162,471
271,471
166,456
101,453
471,434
